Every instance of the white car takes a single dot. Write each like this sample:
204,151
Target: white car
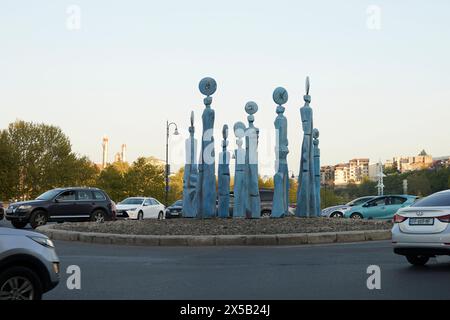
140,208
422,230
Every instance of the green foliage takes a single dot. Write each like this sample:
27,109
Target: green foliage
145,179
38,157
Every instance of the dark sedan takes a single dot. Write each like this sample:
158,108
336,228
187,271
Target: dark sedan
174,210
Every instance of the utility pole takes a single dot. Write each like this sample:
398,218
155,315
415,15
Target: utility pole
167,171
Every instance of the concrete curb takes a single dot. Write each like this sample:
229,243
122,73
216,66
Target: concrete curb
219,240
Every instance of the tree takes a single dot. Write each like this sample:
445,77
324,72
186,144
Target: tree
113,182
176,186
43,160
145,179
7,168
419,185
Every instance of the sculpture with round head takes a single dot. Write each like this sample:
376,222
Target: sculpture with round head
315,133
239,129
251,107
207,86
280,96
225,132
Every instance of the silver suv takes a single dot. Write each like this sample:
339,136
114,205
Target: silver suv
29,265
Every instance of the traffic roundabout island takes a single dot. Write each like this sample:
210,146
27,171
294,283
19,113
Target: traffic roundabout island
221,232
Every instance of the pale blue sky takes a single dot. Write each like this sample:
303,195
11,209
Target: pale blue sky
134,64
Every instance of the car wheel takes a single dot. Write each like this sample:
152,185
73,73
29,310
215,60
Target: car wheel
417,260
140,215
98,216
356,215
19,283
38,218
160,215
19,224
336,214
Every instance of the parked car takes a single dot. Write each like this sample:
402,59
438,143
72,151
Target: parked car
29,265
2,210
266,196
422,230
381,207
140,208
62,204
174,210
338,211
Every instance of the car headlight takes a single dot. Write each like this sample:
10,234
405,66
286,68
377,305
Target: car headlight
132,209
43,241
26,207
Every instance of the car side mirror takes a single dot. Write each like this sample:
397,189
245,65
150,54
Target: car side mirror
56,200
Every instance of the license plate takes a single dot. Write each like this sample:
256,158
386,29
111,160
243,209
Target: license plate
421,221
175,213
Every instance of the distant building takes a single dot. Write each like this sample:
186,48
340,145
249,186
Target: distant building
355,171
419,162
327,175
358,170
341,174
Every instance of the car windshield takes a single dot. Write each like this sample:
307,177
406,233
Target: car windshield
48,195
441,199
136,201
357,202
178,203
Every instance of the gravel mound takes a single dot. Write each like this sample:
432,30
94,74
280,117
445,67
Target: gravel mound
226,226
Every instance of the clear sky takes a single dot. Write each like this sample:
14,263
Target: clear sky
379,89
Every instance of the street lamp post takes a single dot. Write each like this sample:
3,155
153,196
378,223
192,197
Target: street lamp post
167,171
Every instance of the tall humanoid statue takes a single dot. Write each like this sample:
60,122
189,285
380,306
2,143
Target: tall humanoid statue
281,179
206,188
240,192
317,169
190,174
306,198
253,203
224,177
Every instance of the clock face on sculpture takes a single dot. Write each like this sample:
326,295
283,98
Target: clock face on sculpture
207,86
280,96
251,107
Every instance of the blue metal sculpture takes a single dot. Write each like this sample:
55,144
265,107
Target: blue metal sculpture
317,169
239,206
306,193
281,179
224,177
190,177
253,203
206,191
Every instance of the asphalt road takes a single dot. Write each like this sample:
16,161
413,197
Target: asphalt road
337,271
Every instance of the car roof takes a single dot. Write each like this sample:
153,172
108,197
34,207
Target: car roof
76,188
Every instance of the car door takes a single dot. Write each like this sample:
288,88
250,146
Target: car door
392,205
375,208
85,203
147,208
156,208
64,207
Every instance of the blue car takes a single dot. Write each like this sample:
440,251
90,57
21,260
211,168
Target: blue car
381,207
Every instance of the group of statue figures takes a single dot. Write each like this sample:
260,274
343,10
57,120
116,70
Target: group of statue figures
200,199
